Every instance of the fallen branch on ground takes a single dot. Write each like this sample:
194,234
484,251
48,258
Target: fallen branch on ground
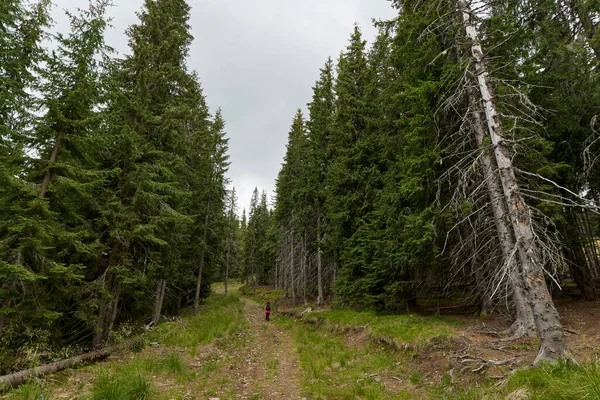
20,377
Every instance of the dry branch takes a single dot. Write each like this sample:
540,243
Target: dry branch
20,377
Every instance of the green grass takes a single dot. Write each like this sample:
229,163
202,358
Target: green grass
29,391
165,364
123,384
402,329
261,294
273,364
331,369
131,377
560,381
220,315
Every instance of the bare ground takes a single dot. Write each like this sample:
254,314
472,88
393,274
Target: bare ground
266,366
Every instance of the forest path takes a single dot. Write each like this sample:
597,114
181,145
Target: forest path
265,365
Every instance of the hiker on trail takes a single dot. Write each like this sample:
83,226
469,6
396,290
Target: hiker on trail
267,310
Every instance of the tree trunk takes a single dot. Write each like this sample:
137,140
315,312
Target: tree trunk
48,174
547,321
590,242
200,268
4,314
107,312
292,278
336,267
277,272
161,285
576,259
22,376
319,265
524,324
227,258
304,268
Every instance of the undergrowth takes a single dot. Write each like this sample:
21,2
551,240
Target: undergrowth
219,316
133,376
262,294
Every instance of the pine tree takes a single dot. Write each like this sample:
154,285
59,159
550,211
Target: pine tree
321,111
231,229
146,220
290,198
68,141
27,225
211,196
353,178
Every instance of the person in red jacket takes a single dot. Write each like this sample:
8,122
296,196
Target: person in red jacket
268,310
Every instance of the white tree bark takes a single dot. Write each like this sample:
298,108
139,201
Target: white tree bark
548,326
525,323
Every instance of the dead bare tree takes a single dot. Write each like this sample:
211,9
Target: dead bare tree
537,296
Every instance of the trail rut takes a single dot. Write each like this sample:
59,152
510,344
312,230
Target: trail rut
265,366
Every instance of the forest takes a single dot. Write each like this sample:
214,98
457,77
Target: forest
113,190
453,160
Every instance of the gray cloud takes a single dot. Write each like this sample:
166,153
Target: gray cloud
258,60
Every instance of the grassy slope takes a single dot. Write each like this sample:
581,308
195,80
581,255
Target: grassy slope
331,365
140,376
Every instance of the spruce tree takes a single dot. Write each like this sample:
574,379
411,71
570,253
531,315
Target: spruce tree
146,220
352,177
27,225
321,111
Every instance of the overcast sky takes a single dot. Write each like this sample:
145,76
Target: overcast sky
258,61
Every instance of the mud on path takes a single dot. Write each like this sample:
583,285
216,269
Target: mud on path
264,365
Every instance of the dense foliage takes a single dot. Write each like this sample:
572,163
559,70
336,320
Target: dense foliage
390,190
113,200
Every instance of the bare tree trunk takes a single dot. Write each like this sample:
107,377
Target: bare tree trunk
161,285
590,244
200,268
577,261
292,280
547,321
319,264
277,272
286,268
336,267
227,258
20,377
48,174
524,324
304,267
107,312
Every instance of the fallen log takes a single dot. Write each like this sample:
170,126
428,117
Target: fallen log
20,377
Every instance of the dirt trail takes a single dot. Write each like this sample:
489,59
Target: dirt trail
266,365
